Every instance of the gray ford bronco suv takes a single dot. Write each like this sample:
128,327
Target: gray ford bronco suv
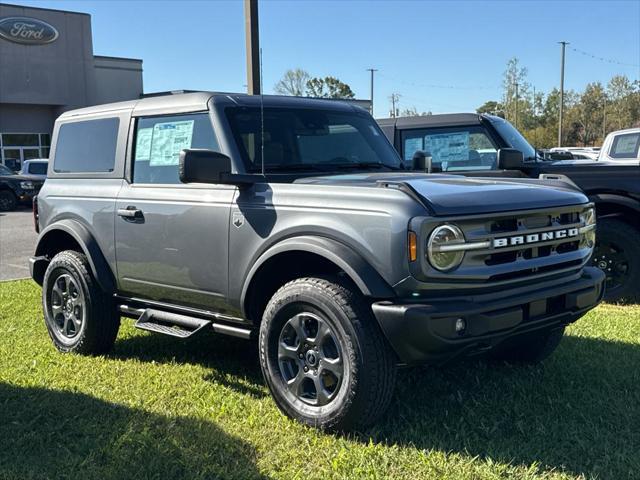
292,220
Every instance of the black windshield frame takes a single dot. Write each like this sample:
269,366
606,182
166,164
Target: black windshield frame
286,124
514,138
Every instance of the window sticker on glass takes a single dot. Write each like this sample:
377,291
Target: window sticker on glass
143,143
411,146
447,147
167,141
626,144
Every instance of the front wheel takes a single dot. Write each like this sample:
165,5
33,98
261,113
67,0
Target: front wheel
324,357
617,254
8,201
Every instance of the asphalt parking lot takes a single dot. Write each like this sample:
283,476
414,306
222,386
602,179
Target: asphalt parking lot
17,243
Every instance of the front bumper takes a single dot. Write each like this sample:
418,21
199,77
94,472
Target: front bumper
425,332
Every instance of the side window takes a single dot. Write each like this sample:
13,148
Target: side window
87,146
158,143
465,148
625,146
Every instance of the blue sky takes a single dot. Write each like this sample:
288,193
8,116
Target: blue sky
440,56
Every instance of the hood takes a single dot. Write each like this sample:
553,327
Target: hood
22,178
454,195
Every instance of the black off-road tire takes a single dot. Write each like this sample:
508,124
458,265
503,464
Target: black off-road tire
367,385
617,253
531,348
96,333
8,201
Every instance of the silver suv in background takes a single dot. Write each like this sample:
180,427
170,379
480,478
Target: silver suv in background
295,221
36,168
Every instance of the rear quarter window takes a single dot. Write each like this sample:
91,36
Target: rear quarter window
87,146
625,146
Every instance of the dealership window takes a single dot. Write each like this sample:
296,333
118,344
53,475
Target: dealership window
158,143
87,146
463,148
15,148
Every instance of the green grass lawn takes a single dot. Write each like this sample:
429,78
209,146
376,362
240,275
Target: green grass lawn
163,408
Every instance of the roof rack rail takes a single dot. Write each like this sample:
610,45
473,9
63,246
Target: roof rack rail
167,92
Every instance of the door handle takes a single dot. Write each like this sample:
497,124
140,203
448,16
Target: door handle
130,212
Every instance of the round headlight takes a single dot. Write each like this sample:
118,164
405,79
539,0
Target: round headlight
440,257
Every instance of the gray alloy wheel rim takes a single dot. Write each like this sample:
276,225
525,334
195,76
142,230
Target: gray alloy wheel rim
613,261
310,359
67,305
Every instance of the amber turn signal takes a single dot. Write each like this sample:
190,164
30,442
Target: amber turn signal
413,246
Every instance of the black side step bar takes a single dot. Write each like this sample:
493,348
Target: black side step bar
176,325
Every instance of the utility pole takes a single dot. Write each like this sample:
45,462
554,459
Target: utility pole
371,96
516,85
252,33
563,45
394,98
604,117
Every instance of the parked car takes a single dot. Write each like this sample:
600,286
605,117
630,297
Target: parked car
16,189
611,182
291,220
578,153
36,168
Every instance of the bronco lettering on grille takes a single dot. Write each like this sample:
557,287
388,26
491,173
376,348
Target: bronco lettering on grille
535,238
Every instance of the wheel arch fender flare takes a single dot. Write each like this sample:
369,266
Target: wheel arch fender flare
615,199
365,277
99,266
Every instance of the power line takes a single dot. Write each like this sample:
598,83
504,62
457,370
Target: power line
603,59
449,87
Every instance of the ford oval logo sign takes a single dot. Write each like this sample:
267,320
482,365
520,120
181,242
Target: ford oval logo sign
27,31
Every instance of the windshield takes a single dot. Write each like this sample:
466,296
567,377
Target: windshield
5,170
514,138
300,139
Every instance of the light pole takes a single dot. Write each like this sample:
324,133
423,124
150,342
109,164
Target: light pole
563,45
371,95
252,31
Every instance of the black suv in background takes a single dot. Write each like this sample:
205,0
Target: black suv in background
488,146
16,189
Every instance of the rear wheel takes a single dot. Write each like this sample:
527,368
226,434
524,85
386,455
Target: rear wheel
8,201
532,348
79,316
617,254
324,357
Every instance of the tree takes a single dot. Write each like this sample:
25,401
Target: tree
516,94
413,112
491,107
587,114
623,106
293,82
328,87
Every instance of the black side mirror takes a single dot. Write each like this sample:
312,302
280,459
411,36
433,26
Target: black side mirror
203,166
510,159
422,161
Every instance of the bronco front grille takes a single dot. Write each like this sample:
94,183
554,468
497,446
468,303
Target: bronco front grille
519,245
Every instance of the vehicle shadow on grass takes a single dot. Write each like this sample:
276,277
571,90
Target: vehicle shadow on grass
578,412
57,434
232,362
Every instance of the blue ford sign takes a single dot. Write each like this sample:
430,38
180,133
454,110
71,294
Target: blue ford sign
27,31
